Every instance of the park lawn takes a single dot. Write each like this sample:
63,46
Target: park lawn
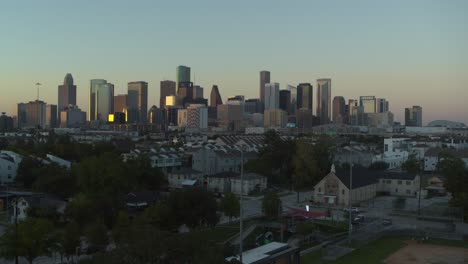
372,253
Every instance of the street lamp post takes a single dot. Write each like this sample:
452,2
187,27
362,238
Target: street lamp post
350,225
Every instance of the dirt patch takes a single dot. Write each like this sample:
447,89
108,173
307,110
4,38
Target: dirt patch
417,253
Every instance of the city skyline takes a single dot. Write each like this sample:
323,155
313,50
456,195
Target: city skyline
394,48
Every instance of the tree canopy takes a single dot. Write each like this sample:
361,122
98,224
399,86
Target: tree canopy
33,239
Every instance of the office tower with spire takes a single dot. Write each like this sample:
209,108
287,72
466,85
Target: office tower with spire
137,102
304,96
264,79
66,94
101,100
324,100
167,88
215,97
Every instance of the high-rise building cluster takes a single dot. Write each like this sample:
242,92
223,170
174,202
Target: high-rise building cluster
182,106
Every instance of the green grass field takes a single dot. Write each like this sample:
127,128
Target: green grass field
375,252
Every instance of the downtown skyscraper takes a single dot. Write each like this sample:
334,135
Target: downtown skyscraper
339,110
215,97
167,88
182,75
413,116
304,96
137,102
66,94
101,100
272,96
324,100
264,79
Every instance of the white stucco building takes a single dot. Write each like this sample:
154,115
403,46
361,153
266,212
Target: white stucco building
9,163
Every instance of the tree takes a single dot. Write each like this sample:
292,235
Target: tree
28,171
230,205
96,235
159,215
454,170
271,205
305,167
33,239
57,180
146,177
193,207
71,239
412,164
275,158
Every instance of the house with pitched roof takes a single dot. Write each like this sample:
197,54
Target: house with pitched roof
334,189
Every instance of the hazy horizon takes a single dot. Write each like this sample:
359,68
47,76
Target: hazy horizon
411,53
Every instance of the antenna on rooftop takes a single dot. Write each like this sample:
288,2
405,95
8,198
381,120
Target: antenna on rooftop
37,86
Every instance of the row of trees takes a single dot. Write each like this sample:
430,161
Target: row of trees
149,237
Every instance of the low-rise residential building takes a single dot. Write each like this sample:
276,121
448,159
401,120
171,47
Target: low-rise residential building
225,182
166,159
178,178
334,188
22,204
9,163
212,159
273,252
398,183
358,155
395,152
432,157
59,161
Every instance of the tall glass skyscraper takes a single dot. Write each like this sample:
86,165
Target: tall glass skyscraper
368,103
66,94
339,110
272,96
264,79
413,116
324,100
304,96
101,100
167,88
137,102
183,75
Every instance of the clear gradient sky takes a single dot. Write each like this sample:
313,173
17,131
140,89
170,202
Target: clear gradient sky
409,51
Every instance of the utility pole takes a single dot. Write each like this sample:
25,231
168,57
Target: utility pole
420,187
16,228
350,224
241,205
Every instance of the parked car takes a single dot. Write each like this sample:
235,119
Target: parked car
386,222
352,209
359,218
